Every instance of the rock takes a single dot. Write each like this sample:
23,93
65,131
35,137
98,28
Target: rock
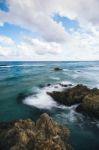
90,105
88,99
48,84
57,69
63,85
70,96
45,134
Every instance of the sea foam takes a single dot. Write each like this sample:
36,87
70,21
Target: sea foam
42,100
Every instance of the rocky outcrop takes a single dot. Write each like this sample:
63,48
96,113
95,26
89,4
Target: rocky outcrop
57,69
70,96
90,105
45,134
88,99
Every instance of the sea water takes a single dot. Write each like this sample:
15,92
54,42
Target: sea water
35,79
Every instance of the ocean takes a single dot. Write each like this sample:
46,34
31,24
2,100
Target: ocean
33,80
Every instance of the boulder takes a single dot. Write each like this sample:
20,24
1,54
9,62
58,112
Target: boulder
88,99
57,69
45,134
90,105
70,96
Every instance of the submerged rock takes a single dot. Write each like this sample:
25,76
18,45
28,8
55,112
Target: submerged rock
45,134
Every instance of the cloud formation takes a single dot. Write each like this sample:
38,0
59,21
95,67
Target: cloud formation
54,42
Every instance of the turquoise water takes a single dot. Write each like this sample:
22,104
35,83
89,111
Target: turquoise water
32,78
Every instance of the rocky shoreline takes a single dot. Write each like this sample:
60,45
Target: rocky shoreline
88,99
44,134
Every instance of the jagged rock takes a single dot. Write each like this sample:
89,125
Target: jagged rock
45,134
88,99
65,85
90,105
70,96
57,69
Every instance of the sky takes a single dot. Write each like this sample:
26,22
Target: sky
49,30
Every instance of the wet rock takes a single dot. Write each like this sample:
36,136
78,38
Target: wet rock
48,84
63,85
90,105
57,69
45,134
88,99
70,96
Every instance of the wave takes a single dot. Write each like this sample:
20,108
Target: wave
42,100
9,66
55,78
68,115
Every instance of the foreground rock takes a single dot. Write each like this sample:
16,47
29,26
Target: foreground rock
45,134
88,99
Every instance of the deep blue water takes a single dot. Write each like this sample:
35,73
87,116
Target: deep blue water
32,78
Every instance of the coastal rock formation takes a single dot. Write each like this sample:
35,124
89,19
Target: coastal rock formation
70,96
57,69
88,99
90,105
45,134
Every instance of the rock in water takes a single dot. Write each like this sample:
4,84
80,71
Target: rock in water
57,69
45,134
70,96
88,99
90,105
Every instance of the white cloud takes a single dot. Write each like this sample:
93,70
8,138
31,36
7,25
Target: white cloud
54,42
6,40
80,47
31,15
32,49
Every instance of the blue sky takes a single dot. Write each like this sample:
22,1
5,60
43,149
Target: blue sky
52,30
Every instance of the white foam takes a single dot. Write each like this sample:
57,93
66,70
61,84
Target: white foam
97,123
27,65
65,70
42,101
70,115
66,82
5,66
55,78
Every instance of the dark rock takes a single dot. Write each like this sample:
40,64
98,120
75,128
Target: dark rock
70,85
70,96
49,84
90,105
45,134
63,85
56,86
88,99
78,71
57,69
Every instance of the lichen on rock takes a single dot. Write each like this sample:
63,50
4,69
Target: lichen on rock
45,134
